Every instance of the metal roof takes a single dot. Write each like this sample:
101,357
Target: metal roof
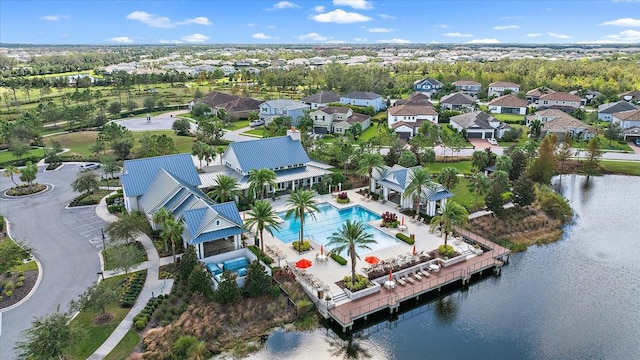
140,172
217,235
270,153
229,211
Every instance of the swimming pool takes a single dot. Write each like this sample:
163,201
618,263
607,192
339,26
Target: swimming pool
329,219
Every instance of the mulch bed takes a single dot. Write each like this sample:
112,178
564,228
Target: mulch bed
19,293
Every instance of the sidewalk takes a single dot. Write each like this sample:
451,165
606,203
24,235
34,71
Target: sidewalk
152,287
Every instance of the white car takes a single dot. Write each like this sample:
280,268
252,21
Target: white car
256,123
492,141
89,166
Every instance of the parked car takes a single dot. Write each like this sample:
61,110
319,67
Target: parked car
89,166
256,123
638,142
492,141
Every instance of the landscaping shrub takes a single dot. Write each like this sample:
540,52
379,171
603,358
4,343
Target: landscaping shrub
405,238
261,256
83,200
300,247
360,283
141,324
339,259
114,209
390,220
343,198
446,250
132,287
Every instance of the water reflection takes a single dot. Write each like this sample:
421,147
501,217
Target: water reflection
354,347
446,309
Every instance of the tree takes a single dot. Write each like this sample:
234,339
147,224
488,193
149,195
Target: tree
50,337
122,147
518,162
351,237
594,152
301,202
110,166
96,298
172,232
544,166
258,282
524,191
407,159
228,291
86,182
18,148
156,145
161,217
29,172
181,126
200,280
226,189
149,103
368,163
535,129
503,163
115,108
494,200
12,254
613,131
480,160
500,179
452,215
478,184
565,152
199,149
262,216
131,105
127,228
124,257
356,130
448,177
11,170
259,178
420,181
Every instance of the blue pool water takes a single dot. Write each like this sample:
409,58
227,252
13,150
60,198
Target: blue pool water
328,220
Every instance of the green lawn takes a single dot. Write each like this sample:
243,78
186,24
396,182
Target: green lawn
183,143
463,167
235,125
368,133
464,197
508,117
109,254
124,347
95,335
8,156
626,167
254,132
28,266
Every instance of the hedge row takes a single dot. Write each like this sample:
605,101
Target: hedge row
133,287
405,238
339,259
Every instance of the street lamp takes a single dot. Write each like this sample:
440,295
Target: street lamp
104,245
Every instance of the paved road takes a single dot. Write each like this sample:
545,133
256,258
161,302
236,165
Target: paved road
161,122
64,241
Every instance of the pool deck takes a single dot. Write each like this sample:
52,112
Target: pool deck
322,276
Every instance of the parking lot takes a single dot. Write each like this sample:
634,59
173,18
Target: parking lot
85,222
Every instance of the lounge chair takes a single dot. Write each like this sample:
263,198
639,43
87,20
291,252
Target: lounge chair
409,279
417,276
424,273
401,281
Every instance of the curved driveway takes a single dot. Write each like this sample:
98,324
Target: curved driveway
64,240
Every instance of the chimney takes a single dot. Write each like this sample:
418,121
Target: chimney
294,134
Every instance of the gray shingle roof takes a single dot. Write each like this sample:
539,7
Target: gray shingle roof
270,153
362,95
286,104
476,119
457,99
322,97
140,172
615,107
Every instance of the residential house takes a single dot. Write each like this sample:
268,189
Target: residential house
633,96
428,86
508,104
560,100
533,96
321,99
457,102
586,94
394,181
227,70
337,119
364,98
558,122
406,119
236,107
417,98
469,87
343,126
171,182
499,87
606,111
627,119
282,107
283,154
479,125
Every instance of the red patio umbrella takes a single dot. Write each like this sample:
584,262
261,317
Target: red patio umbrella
303,264
403,220
371,260
321,250
390,276
414,249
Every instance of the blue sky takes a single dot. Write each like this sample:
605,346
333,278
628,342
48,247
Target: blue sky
338,21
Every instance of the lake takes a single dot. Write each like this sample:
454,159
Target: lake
578,298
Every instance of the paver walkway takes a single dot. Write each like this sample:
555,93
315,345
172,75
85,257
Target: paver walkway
152,287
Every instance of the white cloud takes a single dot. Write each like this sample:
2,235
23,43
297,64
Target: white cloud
336,42
534,35
340,17
506,27
559,36
484,41
170,41
442,26
271,26
394,41
313,37
388,17
251,25
195,38
55,17
627,36
625,22
318,8
121,40
284,5
262,36
163,21
457,34
379,30
356,4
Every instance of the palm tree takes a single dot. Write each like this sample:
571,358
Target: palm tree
259,178
199,149
350,237
161,217
448,177
369,162
227,188
172,231
452,215
420,180
299,203
479,184
11,170
263,217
